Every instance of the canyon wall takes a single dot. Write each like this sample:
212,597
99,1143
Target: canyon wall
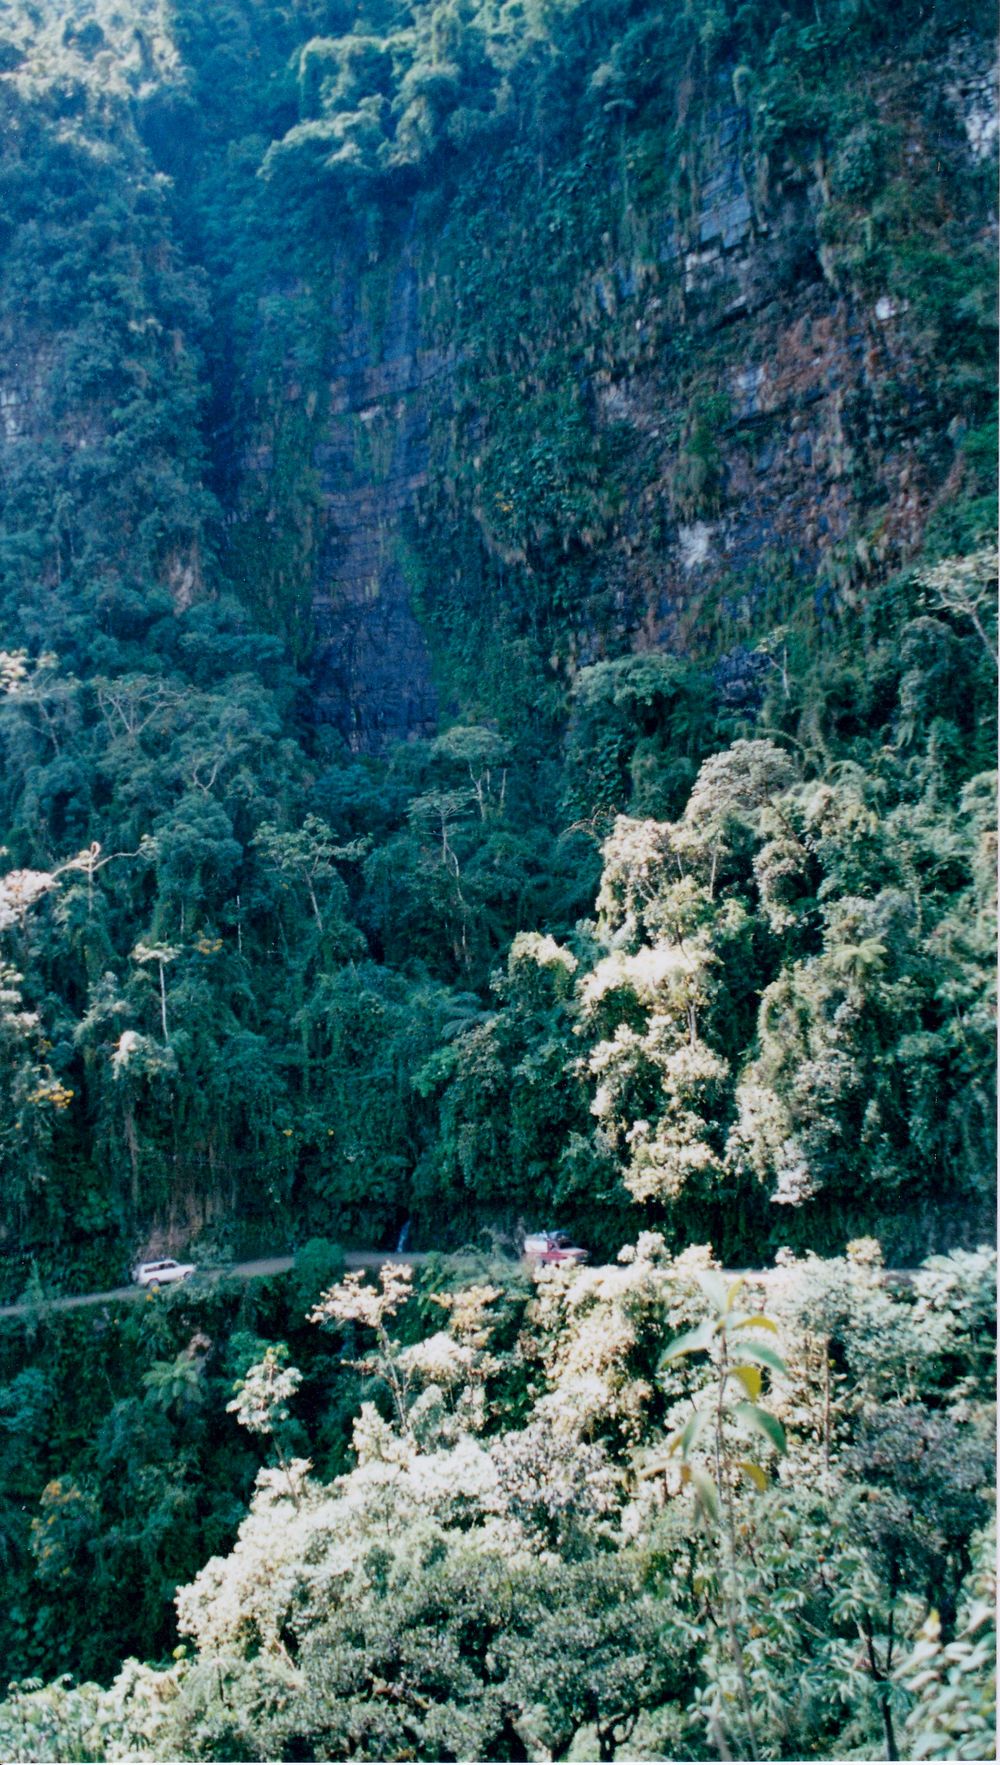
765,417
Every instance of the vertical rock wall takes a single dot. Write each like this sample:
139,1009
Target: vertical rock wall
372,667
776,419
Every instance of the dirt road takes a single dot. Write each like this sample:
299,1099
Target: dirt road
240,1271
279,1265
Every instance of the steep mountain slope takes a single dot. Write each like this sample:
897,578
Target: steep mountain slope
428,435
498,661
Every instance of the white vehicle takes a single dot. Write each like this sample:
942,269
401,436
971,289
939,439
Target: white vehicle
159,1274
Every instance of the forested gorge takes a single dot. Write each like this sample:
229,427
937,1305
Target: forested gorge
498,659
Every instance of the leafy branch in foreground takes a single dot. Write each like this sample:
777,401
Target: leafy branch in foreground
352,1301
731,1421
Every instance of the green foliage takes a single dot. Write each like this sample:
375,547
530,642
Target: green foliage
729,1418
636,728
318,1265
955,1682
492,1583
687,907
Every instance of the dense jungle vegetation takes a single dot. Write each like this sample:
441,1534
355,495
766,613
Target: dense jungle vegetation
677,928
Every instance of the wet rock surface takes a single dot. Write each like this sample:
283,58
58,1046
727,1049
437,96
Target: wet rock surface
828,444
372,676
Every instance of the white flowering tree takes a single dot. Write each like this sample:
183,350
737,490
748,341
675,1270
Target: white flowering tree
644,1007
261,1402
353,1301
538,1582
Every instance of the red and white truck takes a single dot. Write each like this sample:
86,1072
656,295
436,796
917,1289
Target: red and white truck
553,1247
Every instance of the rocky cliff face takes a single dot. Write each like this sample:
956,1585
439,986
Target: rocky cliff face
830,444
757,346
607,399
100,405
372,665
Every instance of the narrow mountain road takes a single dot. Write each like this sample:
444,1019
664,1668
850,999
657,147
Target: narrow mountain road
280,1265
240,1271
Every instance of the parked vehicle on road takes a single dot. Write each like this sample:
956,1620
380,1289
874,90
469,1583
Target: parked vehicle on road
160,1274
552,1247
